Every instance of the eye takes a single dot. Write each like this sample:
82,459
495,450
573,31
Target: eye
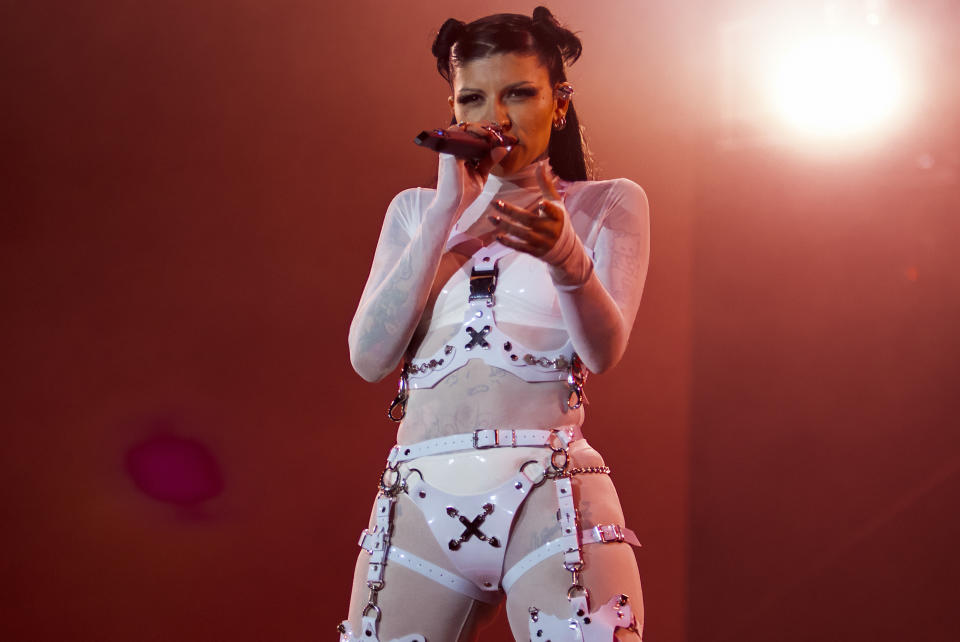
523,92
467,99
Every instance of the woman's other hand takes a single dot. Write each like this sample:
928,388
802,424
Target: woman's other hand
536,230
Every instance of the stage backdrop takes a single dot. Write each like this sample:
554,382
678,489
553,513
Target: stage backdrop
192,194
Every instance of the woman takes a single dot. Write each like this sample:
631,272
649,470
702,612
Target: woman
499,290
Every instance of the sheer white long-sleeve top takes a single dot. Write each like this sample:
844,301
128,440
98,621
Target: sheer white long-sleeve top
416,298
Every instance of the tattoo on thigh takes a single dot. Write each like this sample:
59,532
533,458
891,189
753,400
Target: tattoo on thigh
544,535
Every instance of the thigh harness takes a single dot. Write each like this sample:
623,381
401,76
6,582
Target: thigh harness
473,531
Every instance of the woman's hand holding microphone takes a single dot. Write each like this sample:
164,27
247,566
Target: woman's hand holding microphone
468,151
543,230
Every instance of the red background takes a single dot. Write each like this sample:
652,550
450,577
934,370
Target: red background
191,196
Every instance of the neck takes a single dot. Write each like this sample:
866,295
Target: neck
498,170
527,171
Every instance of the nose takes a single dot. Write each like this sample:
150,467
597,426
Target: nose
501,116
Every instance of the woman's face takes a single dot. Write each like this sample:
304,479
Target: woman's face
515,91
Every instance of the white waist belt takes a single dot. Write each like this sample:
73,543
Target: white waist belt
479,439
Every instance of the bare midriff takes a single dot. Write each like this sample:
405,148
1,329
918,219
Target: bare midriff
479,395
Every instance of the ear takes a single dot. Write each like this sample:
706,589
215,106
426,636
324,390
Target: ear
450,102
563,92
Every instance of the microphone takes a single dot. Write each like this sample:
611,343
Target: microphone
462,144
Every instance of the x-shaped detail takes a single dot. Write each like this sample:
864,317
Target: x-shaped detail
472,527
477,338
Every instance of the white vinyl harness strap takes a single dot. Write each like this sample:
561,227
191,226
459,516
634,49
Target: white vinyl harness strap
479,440
377,543
600,534
439,575
480,337
369,624
486,341
582,625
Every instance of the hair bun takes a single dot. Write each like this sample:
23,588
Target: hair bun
449,33
542,14
547,27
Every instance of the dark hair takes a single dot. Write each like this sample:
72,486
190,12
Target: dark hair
458,43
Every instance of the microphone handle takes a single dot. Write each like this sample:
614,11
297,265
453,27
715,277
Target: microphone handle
460,144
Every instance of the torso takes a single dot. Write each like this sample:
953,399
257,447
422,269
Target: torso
482,396
479,395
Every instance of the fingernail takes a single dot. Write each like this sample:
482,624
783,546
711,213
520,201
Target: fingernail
499,203
495,219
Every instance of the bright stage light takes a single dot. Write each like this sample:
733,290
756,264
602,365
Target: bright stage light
838,86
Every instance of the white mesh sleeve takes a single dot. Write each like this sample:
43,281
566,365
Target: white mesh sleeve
599,298
404,268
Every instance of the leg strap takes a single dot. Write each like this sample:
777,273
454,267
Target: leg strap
584,626
370,633
569,519
377,543
599,534
431,571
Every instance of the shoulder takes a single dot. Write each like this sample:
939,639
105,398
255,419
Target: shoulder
620,194
406,208
412,199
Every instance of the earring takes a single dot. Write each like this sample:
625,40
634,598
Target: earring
560,124
565,90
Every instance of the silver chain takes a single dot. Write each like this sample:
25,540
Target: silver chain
587,470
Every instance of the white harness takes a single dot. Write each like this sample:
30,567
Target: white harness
473,529
479,336
481,559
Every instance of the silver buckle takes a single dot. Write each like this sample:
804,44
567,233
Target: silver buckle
476,438
496,438
610,533
483,283
368,540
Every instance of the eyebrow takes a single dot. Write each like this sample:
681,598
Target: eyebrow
510,86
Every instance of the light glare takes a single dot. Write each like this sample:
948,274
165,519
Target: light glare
837,86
